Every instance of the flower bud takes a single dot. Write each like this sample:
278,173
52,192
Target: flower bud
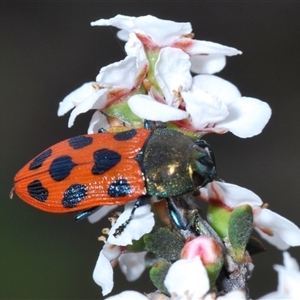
210,253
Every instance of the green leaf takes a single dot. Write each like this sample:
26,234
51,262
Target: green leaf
164,243
217,217
240,226
158,274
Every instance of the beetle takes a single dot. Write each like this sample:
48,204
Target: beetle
113,168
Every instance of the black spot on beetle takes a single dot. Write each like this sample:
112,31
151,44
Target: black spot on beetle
37,191
38,161
79,142
61,167
119,188
74,195
125,135
104,160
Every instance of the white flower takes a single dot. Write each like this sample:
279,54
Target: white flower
274,228
215,104
103,271
88,96
114,82
212,103
206,57
126,295
289,280
141,223
193,285
131,264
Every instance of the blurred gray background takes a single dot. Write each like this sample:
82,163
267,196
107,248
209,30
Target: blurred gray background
48,49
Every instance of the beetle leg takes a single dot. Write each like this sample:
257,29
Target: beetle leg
86,213
139,202
175,215
102,130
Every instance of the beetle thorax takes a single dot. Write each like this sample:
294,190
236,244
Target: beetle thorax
168,163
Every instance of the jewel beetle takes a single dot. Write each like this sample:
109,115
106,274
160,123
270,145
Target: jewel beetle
113,168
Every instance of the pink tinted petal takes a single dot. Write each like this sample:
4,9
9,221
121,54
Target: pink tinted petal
285,232
132,265
208,64
141,223
147,108
206,47
99,120
203,246
96,100
132,295
247,117
193,285
111,252
76,97
172,72
217,87
230,194
103,274
203,109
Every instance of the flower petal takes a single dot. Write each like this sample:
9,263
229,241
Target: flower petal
147,108
121,74
247,117
132,295
132,264
96,100
103,274
134,47
236,294
289,279
76,97
172,72
217,87
203,108
163,32
99,120
193,285
230,194
206,47
285,232
207,64
141,223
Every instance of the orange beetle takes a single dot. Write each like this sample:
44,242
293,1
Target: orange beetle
111,168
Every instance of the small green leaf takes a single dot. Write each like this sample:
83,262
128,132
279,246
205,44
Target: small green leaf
164,243
217,217
158,274
240,226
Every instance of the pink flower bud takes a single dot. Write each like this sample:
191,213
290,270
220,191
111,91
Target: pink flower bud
203,246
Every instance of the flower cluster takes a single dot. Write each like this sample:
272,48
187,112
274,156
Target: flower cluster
167,76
